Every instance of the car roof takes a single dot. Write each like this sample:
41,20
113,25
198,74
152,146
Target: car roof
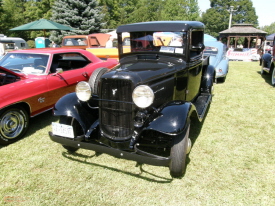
88,35
213,43
161,26
47,50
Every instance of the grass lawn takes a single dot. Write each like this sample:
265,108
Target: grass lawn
231,163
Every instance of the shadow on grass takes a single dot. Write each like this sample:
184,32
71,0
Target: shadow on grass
195,129
266,77
41,121
71,156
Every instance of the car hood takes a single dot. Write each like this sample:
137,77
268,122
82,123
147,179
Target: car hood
7,71
144,70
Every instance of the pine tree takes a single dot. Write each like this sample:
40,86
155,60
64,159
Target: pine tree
85,16
216,19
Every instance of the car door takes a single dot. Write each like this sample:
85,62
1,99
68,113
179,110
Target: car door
63,83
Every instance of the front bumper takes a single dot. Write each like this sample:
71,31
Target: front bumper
138,155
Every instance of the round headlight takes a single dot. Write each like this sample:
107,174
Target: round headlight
143,96
83,91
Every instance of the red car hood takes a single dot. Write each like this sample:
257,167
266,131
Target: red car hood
20,75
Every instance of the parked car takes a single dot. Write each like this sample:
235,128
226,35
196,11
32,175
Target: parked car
267,66
267,63
112,52
96,40
32,81
141,110
11,43
217,52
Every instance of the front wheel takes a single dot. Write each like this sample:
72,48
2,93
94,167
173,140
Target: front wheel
273,77
76,127
263,72
181,147
14,122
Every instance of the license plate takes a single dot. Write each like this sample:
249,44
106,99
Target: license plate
62,130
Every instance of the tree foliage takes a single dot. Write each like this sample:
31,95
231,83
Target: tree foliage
180,10
216,18
12,15
85,16
120,12
269,29
88,16
17,12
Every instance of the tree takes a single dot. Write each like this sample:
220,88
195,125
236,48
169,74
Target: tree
1,16
18,12
269,29
180,10
85,16
35,10
118,12
12,16
146,10
216,19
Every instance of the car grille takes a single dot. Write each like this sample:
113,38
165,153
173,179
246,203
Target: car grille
116,109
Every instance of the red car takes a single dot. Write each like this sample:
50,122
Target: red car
32,81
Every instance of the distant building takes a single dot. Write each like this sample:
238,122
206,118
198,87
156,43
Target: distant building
252,37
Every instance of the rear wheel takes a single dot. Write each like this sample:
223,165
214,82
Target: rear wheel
181,147
76,127
14,122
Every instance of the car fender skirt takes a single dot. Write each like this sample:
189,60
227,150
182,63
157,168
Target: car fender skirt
173,118
70,106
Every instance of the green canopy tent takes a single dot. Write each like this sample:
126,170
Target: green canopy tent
41,24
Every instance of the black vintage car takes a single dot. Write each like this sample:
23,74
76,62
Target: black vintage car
141,109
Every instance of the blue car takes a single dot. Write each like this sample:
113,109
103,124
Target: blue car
217,52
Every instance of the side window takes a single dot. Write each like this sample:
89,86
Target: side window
69,61
197,45
197,39
94,42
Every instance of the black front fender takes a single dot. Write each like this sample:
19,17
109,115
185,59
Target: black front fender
208,79
70,106
173,118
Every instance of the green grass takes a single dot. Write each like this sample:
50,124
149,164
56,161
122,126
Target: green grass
231,163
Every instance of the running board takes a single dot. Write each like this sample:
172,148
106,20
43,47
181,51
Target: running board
202,103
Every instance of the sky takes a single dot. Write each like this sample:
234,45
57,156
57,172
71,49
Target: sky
265,10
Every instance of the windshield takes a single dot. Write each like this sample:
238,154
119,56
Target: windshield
74,42
210,50
25,63
168,42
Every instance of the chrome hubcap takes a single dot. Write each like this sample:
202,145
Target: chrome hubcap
11,124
